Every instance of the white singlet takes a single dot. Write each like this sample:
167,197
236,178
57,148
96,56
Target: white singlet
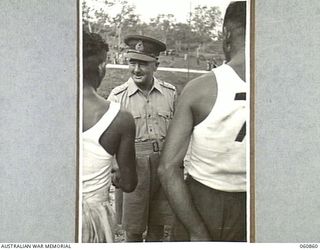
218,144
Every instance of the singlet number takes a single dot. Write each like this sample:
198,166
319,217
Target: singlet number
242,133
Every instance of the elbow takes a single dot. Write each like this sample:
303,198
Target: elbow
164,172
128,189
129,186
170,172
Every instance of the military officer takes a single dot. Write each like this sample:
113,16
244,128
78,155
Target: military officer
151,102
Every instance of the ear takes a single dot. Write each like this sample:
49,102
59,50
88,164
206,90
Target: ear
102,65
227,34
156,64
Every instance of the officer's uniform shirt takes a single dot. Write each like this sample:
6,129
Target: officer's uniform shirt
152,113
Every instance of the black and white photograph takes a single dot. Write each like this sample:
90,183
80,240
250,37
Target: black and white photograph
172,123
164,121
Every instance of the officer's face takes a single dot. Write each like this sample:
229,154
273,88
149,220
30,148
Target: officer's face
142,71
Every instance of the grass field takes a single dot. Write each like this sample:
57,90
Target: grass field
116,77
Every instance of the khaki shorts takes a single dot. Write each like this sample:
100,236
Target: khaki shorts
147,204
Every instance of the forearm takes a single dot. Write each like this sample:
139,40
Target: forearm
181,202
126,155
128,177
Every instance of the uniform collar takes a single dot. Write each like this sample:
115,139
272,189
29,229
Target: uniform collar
133,88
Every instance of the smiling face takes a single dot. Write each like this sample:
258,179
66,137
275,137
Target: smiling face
142,72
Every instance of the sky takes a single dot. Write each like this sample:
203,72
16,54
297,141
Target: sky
179,8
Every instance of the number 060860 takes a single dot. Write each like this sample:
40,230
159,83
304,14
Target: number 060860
308,245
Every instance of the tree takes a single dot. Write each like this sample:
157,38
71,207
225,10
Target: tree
97,18
163,24
113,19
94,17
125,20
205,21
182,32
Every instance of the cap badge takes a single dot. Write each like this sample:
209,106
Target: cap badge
139,46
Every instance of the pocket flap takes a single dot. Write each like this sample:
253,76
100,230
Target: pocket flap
165,114
136,115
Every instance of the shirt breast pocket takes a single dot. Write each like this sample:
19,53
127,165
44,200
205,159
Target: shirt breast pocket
138,120
164,118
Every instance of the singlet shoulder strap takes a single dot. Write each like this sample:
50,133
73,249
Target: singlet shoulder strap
227,73
105,121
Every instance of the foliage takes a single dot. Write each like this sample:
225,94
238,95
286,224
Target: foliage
124,20
202,27
98,18
163,26
205,21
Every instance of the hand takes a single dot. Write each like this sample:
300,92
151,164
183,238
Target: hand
115,174
114,166
200,235
115,178
200,238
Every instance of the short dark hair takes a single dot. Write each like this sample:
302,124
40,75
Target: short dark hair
236,15
94,51
93,44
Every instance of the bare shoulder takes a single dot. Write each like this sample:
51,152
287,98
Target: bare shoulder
200,95
121,128
201,87
203,82
124,122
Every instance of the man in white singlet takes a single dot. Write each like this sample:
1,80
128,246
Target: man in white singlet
210,205
107,132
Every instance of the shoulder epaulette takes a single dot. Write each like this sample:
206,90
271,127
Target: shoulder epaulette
167,85
119,89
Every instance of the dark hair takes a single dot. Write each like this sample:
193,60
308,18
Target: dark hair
94,49
236,15
93,44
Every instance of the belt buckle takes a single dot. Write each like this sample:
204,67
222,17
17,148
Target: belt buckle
155,146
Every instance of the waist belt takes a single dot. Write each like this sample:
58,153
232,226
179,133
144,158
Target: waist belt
148,147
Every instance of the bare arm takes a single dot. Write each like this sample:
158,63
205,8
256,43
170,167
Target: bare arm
126,154
119,140
171,176
123,175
